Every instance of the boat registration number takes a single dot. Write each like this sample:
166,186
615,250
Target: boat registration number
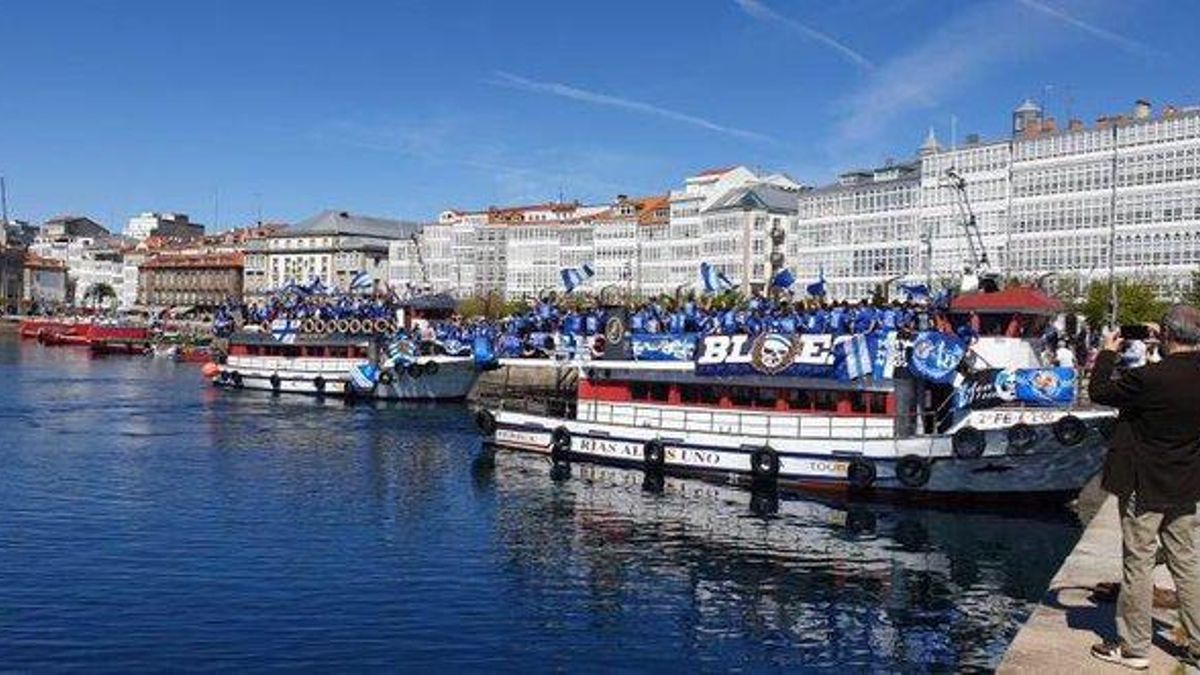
1001,419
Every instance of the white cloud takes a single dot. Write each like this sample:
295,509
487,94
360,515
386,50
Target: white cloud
950,57
573,93
763,13
1126,43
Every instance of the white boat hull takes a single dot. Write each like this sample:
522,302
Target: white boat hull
1047,466
453,380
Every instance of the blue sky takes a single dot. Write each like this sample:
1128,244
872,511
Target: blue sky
404,108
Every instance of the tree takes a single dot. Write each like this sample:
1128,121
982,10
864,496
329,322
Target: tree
98,293
1192,296
1137,302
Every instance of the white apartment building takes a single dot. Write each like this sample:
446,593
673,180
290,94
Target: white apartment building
735,232
332,246
89,263
682,256
858,231
1067,205
1045,201
620,235
175,225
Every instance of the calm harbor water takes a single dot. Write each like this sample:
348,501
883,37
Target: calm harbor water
150,522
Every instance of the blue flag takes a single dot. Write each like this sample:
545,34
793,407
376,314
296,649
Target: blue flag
714,280
935,356
361,282
915,292
817,288
784,278
572,278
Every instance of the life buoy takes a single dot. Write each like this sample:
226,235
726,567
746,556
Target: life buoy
342,326
431,367
764,463
319,327
1021,437
236,378
381,325
265,326
355,326
599,345
654,453
560,445
319,384
968,443
1070,430
276,383
309,326
912,471
486,421
385,377
861,473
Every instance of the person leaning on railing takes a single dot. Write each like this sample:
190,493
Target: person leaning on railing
1153,467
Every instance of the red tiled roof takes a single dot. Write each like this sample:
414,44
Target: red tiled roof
196,260
34,260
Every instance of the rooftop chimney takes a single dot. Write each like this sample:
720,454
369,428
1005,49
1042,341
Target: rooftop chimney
1141,109
1033,127
972,139
1074,124
1048,125
1169,112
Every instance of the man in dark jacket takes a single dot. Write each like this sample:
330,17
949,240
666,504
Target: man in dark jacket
1153,467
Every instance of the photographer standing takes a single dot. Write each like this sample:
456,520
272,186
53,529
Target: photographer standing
1153,467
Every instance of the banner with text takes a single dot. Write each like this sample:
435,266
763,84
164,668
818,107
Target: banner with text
1034,386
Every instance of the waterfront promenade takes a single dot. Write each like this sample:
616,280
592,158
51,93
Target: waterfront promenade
1068,621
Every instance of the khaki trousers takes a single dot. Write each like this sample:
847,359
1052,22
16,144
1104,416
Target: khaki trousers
1140,533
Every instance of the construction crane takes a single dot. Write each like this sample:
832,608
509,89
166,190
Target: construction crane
979,257
979,268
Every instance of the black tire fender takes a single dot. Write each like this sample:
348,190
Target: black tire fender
764,463
319,384
486,421
1021,437
655,455
861,473
912,471
968,443
560,445
1070,430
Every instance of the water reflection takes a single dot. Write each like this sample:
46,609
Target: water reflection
151,520
815,583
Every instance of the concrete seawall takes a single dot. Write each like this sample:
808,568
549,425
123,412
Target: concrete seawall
1069,620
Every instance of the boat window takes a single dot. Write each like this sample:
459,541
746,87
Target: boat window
699,394
859,401
639,391
339,352
825,400
878,403
660,391
798,399
741,396
766,398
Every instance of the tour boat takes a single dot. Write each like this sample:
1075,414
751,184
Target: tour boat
767,410
342,365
